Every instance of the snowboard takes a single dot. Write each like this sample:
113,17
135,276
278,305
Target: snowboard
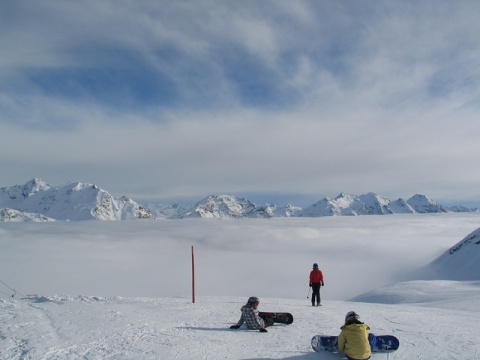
278,317
385,343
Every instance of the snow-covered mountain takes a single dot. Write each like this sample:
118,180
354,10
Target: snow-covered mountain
79,201
459,209
422,205
283,211
221,206
455,271
11,215
73,201
165,211
224,206
371,204
460,262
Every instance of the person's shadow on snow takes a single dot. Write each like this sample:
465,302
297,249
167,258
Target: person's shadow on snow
308,356
203,328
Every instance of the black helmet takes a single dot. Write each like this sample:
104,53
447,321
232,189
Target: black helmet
352,315
315,266
253,299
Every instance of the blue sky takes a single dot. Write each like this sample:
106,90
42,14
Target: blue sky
278,101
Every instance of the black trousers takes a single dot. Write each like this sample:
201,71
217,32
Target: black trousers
266,319
315,293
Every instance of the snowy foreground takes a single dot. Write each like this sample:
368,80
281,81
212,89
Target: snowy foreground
135,281
174,328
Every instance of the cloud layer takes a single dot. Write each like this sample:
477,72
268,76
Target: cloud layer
234,258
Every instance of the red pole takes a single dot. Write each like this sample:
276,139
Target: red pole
193,276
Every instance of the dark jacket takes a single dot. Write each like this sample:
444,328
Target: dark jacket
251,318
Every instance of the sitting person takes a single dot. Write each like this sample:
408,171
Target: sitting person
353,339
251,317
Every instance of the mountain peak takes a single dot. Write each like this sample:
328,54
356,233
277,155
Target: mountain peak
33,186
73,201
423,204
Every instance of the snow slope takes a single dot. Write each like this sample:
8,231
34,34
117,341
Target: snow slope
82,327
459,262
112,264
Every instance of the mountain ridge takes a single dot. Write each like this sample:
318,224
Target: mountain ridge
72,201
38,201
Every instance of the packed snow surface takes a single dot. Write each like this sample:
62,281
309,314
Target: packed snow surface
86,327
134,281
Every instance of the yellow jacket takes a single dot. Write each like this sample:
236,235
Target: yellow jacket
353,341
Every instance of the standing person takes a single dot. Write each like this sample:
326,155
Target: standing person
316,280
251,317
353,339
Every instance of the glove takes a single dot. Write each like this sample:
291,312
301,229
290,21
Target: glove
323,283
234,327
310,284
263,330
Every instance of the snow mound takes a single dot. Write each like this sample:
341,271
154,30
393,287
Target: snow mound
433,293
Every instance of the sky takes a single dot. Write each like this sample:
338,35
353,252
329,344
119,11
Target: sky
275,101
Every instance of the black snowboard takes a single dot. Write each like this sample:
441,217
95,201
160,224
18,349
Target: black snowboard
278,317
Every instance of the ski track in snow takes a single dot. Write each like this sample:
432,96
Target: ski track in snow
174,328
